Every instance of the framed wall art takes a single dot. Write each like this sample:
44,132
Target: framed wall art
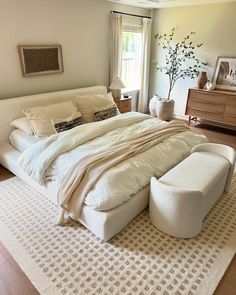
40,59
224,76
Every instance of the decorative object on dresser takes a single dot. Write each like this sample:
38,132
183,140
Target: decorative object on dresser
40,59
217,107
201,80
224,75
116,87
124,104
210,85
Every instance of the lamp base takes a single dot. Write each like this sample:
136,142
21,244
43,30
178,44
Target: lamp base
116,93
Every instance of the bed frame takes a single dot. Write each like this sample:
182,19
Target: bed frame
104,224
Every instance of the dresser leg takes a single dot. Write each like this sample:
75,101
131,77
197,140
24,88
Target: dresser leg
192,119
189,120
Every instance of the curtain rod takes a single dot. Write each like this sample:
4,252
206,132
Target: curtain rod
130,14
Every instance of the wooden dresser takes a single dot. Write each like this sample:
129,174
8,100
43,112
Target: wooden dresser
217,106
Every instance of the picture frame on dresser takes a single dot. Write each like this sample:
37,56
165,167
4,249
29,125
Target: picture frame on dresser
40,59
224,76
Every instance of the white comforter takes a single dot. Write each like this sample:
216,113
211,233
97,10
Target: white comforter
50,159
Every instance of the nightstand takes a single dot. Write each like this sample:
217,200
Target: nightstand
124,104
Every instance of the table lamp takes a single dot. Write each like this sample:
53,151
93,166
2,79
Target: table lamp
116,87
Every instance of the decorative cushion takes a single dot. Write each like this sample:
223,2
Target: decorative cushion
40,117
60,125
21,140
22,124
105,112
87,103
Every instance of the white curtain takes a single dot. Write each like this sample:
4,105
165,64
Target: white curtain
145,60
116,46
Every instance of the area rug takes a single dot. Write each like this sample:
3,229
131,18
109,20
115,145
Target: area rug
140,260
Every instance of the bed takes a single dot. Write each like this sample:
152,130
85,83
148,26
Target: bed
104,223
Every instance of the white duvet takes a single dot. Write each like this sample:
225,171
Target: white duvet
56,155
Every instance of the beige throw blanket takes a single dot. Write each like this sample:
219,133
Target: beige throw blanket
83,174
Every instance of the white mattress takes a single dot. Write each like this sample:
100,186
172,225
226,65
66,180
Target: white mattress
21,140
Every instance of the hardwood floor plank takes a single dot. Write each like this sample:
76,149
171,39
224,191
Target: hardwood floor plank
25,280
227,285
5,174
2,259
217,134
12,282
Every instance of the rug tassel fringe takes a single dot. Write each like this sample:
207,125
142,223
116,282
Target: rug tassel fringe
61,218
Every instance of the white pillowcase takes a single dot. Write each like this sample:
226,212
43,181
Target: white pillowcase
40,117
22,124
73,121
87,103
21,140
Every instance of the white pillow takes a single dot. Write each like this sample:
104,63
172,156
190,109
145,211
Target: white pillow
22,124
73,121
40,117
21,140
87,103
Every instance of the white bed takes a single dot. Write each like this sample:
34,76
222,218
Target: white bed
105,224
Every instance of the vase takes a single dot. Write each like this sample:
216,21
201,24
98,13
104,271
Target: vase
152,105
201,80
210,85
164,109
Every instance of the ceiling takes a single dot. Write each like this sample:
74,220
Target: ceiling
168,3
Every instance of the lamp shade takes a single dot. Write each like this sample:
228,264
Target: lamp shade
117,84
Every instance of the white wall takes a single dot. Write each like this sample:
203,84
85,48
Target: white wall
214,25
82,27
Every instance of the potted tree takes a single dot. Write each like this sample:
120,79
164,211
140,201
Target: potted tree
179,62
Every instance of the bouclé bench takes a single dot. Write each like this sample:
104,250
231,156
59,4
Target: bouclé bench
181,198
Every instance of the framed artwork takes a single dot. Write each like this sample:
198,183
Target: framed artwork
40,59
224,75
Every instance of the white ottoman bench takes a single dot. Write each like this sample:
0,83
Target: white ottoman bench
181,198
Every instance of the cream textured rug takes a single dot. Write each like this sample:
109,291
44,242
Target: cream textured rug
140,260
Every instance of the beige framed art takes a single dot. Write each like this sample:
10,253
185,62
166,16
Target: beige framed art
40,59
224,76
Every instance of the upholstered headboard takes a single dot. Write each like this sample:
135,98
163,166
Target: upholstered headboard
11,109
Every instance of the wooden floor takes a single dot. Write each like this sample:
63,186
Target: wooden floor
14,282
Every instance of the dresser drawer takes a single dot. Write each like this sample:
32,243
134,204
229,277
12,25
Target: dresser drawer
231,100
204,96
206,106
125,105
230,119
207,115
230,110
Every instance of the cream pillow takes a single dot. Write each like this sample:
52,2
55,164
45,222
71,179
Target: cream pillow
22,124
87,103
40,117
61,125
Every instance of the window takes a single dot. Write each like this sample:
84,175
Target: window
131,56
